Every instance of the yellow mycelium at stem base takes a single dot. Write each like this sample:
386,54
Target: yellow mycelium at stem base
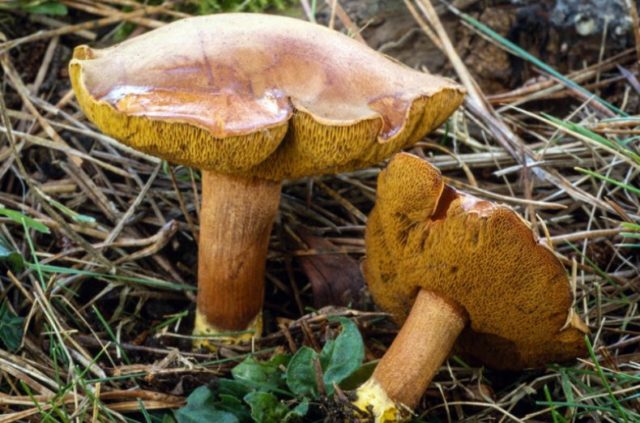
210,333
371,398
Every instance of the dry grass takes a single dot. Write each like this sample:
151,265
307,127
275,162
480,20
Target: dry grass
107,237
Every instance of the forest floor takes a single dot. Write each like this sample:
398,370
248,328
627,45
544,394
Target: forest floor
98,248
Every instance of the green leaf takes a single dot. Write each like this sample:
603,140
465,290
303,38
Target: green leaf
233,405
47,8
230,393
327,353
359,377
264,375
20,218
339,358
14,259
265,407
345,355
298,412
10,328
201,408
301,373
232,387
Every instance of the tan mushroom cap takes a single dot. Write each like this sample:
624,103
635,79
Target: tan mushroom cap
424,234
258,95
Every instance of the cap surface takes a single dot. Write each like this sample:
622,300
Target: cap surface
424,234
258,95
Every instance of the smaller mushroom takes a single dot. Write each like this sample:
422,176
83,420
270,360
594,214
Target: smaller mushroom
460,274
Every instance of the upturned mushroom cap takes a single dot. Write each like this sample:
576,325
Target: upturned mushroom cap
258,95
482,256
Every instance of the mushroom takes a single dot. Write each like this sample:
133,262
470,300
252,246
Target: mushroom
251,100
458,273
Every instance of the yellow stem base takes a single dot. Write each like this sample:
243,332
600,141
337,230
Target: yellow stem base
372,399
209,337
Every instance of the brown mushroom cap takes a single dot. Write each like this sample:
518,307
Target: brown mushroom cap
424,234
258,95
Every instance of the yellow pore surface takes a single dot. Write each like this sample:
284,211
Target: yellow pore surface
259,95
424,234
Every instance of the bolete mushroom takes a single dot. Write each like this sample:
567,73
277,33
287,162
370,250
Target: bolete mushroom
458,273
251,100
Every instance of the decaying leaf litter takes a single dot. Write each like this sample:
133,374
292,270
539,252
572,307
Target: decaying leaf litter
98,245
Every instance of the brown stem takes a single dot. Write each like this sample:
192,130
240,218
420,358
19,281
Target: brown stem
235,223
423,343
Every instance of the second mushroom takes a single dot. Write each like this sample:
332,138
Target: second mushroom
460,274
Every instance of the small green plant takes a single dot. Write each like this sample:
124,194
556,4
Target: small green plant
10,257
10,328
282,389
41,7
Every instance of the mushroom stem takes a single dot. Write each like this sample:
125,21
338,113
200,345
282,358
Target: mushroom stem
423,343
235,223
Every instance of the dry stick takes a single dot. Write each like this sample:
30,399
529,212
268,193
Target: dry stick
24,370
338,11
109,144
183,206
590,234
475,101
55,23
194,189
44,66
125,217
23,92
550,85
90,188
108,11
66,149
117,17
636,26
117,394
565,92
102,201
478,106
589,100
50,211
332,19
342,201
136,5
151,244
505,198
71,167
423,25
